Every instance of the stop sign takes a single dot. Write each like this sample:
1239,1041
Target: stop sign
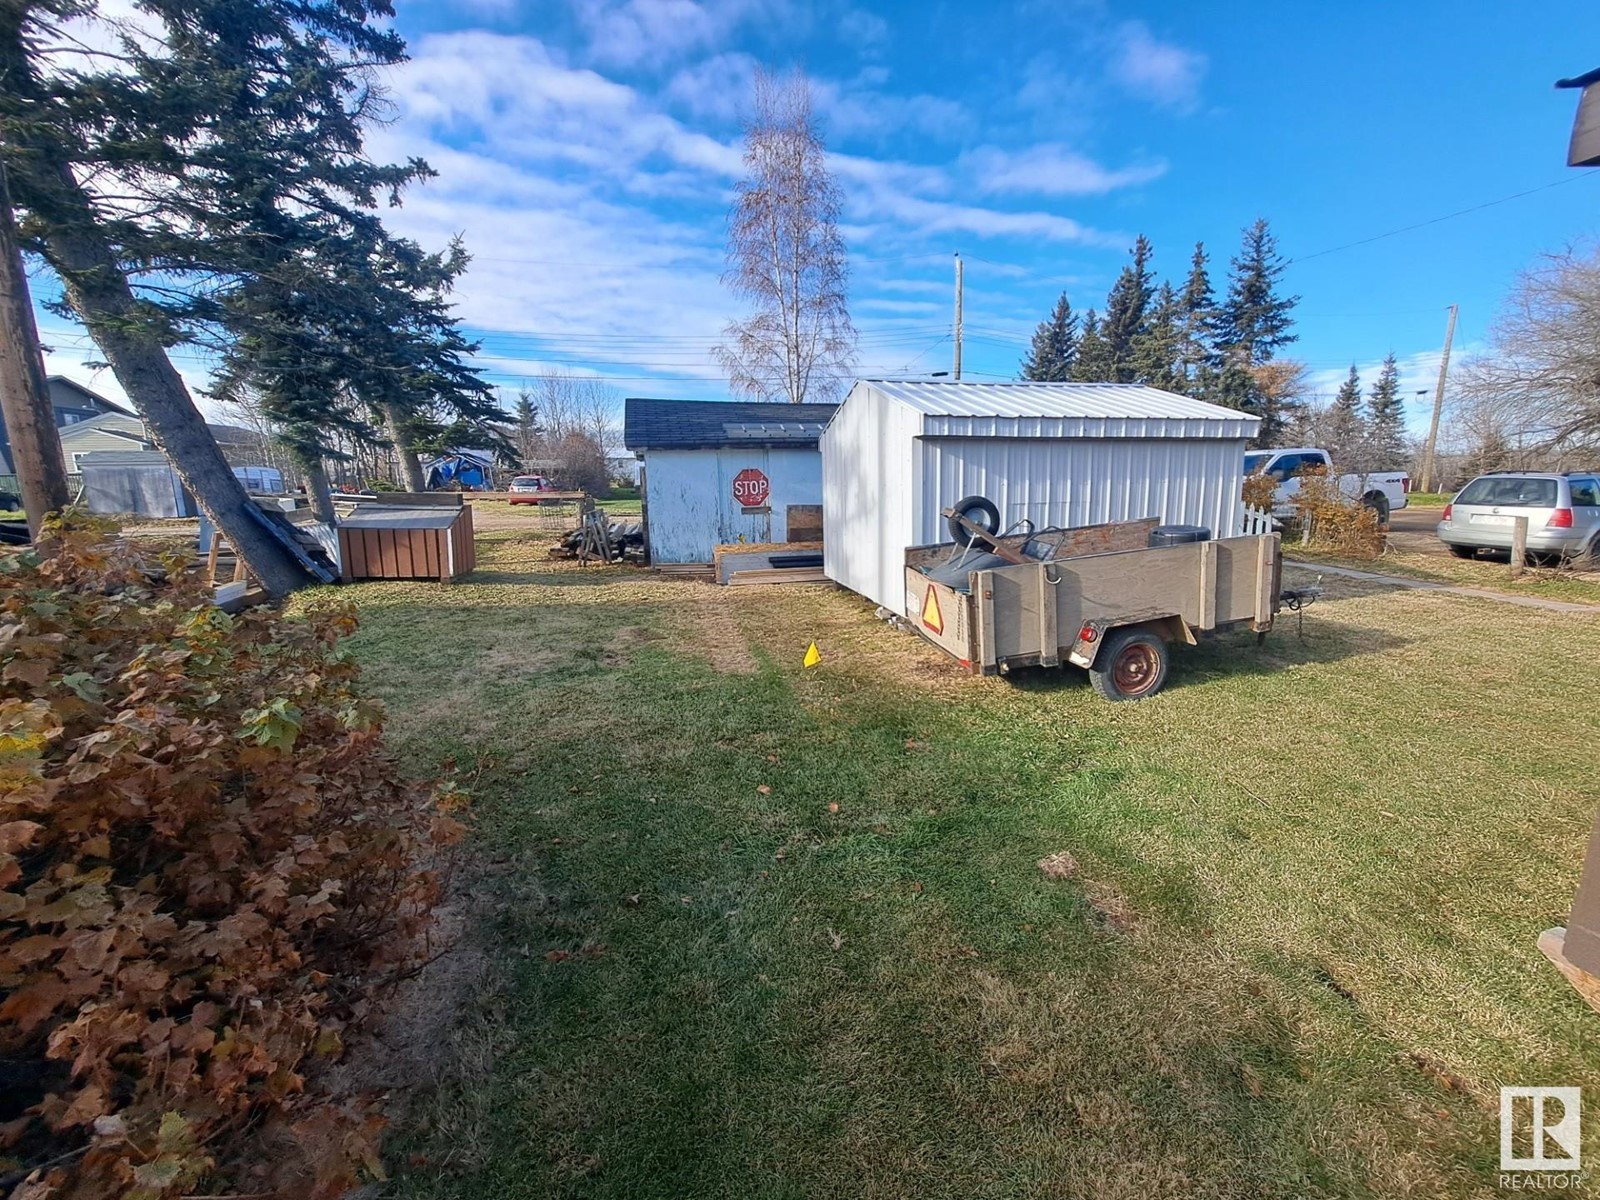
750,488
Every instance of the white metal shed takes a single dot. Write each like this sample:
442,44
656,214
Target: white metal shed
1059,454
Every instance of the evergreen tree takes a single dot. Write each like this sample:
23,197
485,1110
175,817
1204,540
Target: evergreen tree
1345,434
1093,364
1197,310
1127,311
1253,323
1155,348
1386,414
525,427
230,134
1055,346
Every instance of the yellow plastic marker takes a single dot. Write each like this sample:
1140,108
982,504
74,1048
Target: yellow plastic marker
813,655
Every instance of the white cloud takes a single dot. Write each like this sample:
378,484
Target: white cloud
1051,169
1162,71
645,34
863,30
717,88
859,109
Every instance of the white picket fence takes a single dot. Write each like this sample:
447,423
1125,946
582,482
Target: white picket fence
1253,521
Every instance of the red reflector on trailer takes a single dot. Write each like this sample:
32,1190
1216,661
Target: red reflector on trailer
1088,633
1560,519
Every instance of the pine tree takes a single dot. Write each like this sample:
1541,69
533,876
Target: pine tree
1055,346
1253,323
1197,310
165,172
1093,364
1155,349
1345,434
1127,310
1386,414
525,427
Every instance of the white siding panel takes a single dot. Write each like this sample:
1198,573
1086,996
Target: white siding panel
868,507
1089,453
1069,482
689,500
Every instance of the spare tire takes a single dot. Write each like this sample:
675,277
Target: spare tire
1178,535
980,510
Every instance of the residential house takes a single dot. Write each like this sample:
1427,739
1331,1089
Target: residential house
73,404
124,431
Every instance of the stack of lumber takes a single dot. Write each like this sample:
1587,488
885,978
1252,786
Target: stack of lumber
778,575
698,571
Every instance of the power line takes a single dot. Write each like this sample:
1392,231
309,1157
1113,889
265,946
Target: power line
1439,220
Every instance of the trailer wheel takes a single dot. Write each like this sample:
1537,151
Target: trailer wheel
981,511
1131,666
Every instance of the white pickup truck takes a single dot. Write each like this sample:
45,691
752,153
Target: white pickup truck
1381,491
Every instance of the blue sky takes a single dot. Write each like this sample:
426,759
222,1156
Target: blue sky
587,148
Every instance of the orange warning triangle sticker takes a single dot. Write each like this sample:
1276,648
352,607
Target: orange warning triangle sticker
931,616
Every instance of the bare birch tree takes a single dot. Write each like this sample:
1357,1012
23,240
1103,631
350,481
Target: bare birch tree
785,257
569,403
1540,381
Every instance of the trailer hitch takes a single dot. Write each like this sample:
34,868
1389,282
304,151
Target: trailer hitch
1297,600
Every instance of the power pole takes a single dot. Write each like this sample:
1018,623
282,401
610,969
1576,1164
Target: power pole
24,395
956,374
1438,405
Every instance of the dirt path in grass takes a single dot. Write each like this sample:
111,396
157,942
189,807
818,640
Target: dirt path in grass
1423,585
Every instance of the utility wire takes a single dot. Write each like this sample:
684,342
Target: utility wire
1367,241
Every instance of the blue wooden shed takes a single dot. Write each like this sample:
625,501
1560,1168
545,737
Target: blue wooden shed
716,472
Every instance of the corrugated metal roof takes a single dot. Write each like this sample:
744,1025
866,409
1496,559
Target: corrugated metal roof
952,409
685,424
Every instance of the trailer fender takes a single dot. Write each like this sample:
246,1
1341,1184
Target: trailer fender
1169,627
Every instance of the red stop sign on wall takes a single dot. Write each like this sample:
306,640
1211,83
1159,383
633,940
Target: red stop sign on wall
750,488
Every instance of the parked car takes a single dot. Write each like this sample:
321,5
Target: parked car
1381,491
1563,514
525,489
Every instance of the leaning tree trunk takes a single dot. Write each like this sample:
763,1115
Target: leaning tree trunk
410,464
99,293
24,394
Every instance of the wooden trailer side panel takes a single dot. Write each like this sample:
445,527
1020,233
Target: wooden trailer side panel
942,615
1207,584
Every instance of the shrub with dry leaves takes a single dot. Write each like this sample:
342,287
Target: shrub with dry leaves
209,871
1336,521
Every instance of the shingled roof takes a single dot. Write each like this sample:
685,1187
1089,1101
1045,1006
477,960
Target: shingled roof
696,424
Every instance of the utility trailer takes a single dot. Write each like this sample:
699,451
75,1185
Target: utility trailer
1098,596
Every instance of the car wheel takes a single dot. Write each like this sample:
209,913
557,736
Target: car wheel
1132,665
1464,551
1379,504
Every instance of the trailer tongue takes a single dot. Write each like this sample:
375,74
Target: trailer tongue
1108,598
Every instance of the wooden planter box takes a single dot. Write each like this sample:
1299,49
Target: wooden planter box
384,542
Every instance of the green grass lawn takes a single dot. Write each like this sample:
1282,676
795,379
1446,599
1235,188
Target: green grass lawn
1429,499
757,931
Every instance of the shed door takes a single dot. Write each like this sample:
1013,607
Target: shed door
744,475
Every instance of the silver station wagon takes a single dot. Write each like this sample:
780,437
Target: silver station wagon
1563,512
